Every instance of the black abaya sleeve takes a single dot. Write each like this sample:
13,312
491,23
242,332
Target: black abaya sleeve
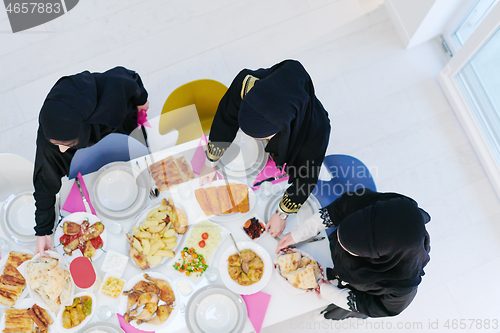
382,305
50,166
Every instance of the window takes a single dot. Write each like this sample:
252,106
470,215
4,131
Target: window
473,18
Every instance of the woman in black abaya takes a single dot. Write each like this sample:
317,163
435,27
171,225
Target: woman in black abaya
379,251
79,111
276,104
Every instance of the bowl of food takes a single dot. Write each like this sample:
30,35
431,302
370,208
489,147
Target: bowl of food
297,271
232,268
78,314
254,227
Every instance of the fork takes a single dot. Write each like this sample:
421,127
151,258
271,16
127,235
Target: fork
152,193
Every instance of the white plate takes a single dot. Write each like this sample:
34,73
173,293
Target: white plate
122,307
25,304
35,295
248,164
180,238
215,309
252,200
79,218
102,327
61,329
256,287
285,283
224,233
18,218
119,192
2,266
310,207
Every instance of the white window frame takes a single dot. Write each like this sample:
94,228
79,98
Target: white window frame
458,102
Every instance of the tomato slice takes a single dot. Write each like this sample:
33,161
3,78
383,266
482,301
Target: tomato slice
202,244
204,235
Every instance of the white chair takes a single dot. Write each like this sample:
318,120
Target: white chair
16,175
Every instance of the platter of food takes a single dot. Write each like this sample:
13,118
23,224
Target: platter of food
17,217
259,264
170,172
78,314
244,165
119,193
49,281
222,201
27,316
297,271
12,283
309,208
202,241
215,309
81,234
149,302
156,234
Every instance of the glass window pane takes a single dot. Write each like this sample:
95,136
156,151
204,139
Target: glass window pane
473,19
479,82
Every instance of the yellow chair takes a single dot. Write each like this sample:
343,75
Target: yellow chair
178,113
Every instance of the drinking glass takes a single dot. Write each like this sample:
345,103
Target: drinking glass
104,312
115,228
212,274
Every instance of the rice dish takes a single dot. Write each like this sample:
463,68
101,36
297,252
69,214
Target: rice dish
211,243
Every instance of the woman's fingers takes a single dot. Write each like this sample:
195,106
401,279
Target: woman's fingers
284,242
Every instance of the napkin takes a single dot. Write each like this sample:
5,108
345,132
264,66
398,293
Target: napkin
74,202
129,328
142,119
256,308
270,170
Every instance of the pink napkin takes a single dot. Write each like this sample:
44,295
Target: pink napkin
199,157
129,328
257,307
270,170
142,119
74,202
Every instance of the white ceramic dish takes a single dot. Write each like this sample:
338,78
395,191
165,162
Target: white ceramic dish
102,327
252,200
215,309
251,289
245,157
119,192
180,238
60,327
122,307
310,207
79,218
259,220
18,218
25,291
25,304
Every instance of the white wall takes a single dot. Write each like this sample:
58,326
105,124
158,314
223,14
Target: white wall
418,21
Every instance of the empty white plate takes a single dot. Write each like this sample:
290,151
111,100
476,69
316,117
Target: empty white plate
117,190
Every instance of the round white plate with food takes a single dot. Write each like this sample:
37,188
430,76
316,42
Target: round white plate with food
146,326
79,218
3,262
255,287
316,273
26,304
60,314
118,192
158,233
209,198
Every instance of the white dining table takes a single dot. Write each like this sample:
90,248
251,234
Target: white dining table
282,306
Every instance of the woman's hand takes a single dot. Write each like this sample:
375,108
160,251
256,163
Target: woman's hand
275,225
285,241
318,289
144,107
43,243
207,173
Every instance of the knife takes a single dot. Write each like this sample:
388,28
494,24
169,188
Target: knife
270,179
85,202
310,240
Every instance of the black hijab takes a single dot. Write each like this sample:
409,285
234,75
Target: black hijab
283,101
391,241
77,103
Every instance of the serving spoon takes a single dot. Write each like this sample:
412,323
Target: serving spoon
244,265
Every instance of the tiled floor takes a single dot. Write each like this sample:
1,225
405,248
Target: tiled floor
385,106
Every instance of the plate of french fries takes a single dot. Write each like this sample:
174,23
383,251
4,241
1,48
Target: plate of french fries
156,234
